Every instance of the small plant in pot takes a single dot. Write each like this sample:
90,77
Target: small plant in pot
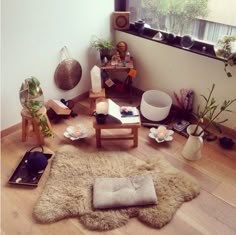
31,97
204,119
105,47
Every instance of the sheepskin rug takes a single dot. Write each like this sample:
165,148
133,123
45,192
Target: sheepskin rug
68,191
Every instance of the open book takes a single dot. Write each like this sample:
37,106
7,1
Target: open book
115,116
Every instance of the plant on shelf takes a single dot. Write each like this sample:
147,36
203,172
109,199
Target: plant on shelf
105,47
226,49
31,97
210,113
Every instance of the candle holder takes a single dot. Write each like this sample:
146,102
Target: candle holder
101,110
161,134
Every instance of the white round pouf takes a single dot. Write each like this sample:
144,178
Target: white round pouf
155,105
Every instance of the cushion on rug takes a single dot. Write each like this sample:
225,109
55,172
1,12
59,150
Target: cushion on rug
122,192
68,191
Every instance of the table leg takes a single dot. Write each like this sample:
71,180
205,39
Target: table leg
135,133
98,138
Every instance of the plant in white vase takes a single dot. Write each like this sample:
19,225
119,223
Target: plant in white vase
204,119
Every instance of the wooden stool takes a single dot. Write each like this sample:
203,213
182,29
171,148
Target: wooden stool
132,136
27,119
93,96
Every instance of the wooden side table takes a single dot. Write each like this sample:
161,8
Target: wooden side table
128,68
93,96
132,136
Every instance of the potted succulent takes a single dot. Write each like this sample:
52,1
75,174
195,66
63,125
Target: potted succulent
31,98
105,47
204,119
225,48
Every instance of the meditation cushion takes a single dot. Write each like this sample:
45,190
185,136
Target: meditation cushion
122,192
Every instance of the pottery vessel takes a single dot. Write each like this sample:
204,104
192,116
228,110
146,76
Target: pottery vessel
193,148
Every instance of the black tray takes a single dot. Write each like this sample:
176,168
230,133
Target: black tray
27,178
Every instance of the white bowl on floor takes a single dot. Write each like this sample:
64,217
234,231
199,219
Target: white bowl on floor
155,105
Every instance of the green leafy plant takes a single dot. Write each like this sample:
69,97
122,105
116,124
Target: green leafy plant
32,99
100,43
34,107
224,49
105,47
209,114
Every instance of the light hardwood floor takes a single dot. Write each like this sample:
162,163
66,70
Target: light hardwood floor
212,212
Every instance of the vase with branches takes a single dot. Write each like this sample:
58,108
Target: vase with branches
210,113
205,117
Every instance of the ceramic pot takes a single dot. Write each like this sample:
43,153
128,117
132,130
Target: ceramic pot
193,148
139,26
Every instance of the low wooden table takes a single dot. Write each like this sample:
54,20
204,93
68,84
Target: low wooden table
132,136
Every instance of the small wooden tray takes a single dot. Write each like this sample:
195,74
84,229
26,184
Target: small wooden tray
22,177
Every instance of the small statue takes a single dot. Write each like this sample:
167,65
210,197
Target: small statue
115,60
122,48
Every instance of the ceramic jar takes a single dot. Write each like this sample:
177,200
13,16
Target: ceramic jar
193,148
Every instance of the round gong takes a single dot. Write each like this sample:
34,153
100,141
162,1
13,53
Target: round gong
68,74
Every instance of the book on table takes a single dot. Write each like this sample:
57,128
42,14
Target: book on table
116,114
58,107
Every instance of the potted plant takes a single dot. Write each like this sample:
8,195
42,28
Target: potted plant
105,47
226,49
204,119
31,97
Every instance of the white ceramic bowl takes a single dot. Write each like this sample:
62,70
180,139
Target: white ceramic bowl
155,105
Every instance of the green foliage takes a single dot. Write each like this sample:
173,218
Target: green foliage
34,107
100,43
33,84
180,12
211,112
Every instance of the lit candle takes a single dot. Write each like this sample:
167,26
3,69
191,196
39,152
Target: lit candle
161,132
102,106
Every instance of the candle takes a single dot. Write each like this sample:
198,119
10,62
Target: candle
102,106
161,132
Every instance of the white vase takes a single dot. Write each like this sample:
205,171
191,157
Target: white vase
193,148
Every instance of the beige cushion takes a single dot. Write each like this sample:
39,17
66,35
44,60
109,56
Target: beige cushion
120,192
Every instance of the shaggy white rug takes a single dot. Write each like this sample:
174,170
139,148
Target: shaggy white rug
68,191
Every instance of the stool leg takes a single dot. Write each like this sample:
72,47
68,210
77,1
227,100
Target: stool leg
37,132
24,129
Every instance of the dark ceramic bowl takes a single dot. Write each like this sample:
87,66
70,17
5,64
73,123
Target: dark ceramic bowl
226,143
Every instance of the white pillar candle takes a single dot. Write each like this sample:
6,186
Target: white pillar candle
102,106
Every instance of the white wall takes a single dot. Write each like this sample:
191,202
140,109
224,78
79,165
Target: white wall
33,32
170,69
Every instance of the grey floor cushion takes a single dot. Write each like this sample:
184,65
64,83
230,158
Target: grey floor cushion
122,192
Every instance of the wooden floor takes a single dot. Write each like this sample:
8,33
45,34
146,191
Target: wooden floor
212,212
